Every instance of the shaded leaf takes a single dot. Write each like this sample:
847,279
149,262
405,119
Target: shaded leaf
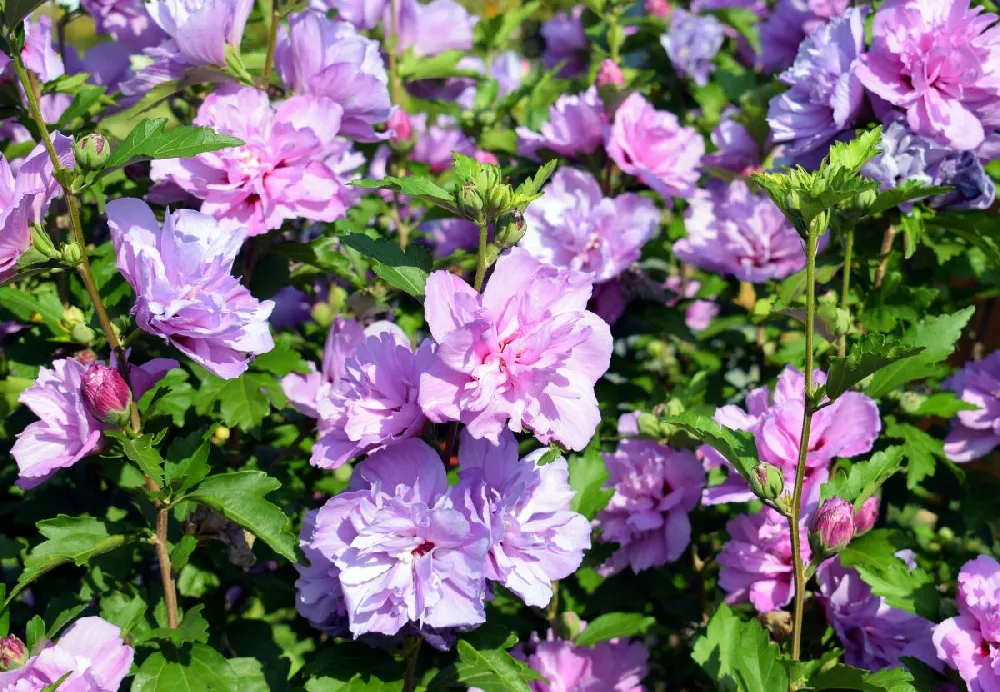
864,478
612,625
870,353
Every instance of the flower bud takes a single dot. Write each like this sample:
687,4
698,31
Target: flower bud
609,74
569,625
767,481
105,394
658,8
92,151
71,254
12,653
82,334
469,201
510,229
833,525
399,123
86,357
486,157
221,434
865,518
323,314
500,198
41,241
649,425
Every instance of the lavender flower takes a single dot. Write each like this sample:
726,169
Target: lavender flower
201,30
434,27
791,22
185,293
975,433
304,391
970,641
825,97
655,489
126,21
692,43
736,149
318,595
436,142
615,665
566,43
38,54
574,127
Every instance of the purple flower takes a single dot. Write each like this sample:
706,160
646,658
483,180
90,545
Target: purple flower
293,163
825,97
756,562
38,54
405,553
364,14
655,489
975,433
874,635
201,30
435,143
936,60
108,64
373,403
566,43
185,293
91,650
292,307
326,58
699,313
524,354
833,524
106,396
573,226
847,428
434,27
535,538
789,24
972,188
127,22
692,43
866,516
731,230
652,146
970,642
25,198
66,430
737,150
318,596
574,127
609,74
451,235
615,665
304,391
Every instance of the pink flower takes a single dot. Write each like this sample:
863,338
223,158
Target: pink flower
535,538
304,391
652,146
105,394
373,404
866,516
91,650
970,642
574,127
655,489
756,562
436,142
524,354
937,60
615,665
201,30
293,164
833,524
976,432
66,431
609,73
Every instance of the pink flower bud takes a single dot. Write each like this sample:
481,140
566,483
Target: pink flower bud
833,525
486,157
105,394
12,653
399,123
865,518
609,73
658,8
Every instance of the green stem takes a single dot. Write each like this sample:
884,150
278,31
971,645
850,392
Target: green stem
412,652
272,41
845,291
481,257
800,468
394,84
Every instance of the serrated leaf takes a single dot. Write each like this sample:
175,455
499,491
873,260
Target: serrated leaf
530,188
350,667
140,451
864,478
491,670
920,450
587,476
245,401
34,632
199,669
907,191
613,625
151,140
853,155
737,446
15,11
937,337
124,612
739,655
406,270
192,628
844,677
873,555
239,497
869,354
757,662
414,186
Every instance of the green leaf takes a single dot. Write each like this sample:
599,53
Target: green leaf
54,687
873,555
250,674
34,632
531,188
715,650
920,450
151,140
406,270
15,11
757,660
739,655
243,402
907,191
492,670
187,461
853,155
200,669
941,405
937,337
844,677
347,666
612,625
413,186
64,618
140,451
68,539
738,447
281,360
26,305
85,99
864,478
193,628
440,66
124,612
869,354
239,497
587,476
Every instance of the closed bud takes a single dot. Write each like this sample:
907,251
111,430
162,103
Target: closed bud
793,200
767,481
833,525
71,317
71,254
866,516
658,8
399,123
82,334
569,625
649,425
469,201
500,198
220,434
609,74
510,229
41,241
92,151
487,118
105,394
13,654
323,314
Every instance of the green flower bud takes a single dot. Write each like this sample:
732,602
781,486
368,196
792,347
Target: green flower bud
92,151
470,202
767,481
793,200
41,241
649,425
486,118
500,198
762,309
569,625
323,314
510,229
82,334
71,254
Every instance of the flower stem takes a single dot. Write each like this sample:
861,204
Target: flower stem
845,291
412,648
800,468
272,41
30,86
481,258
883,262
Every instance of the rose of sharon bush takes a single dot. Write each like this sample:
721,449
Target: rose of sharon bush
293,163
405,553
185,293
970,642
535,538
524,354
90,651
655,489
